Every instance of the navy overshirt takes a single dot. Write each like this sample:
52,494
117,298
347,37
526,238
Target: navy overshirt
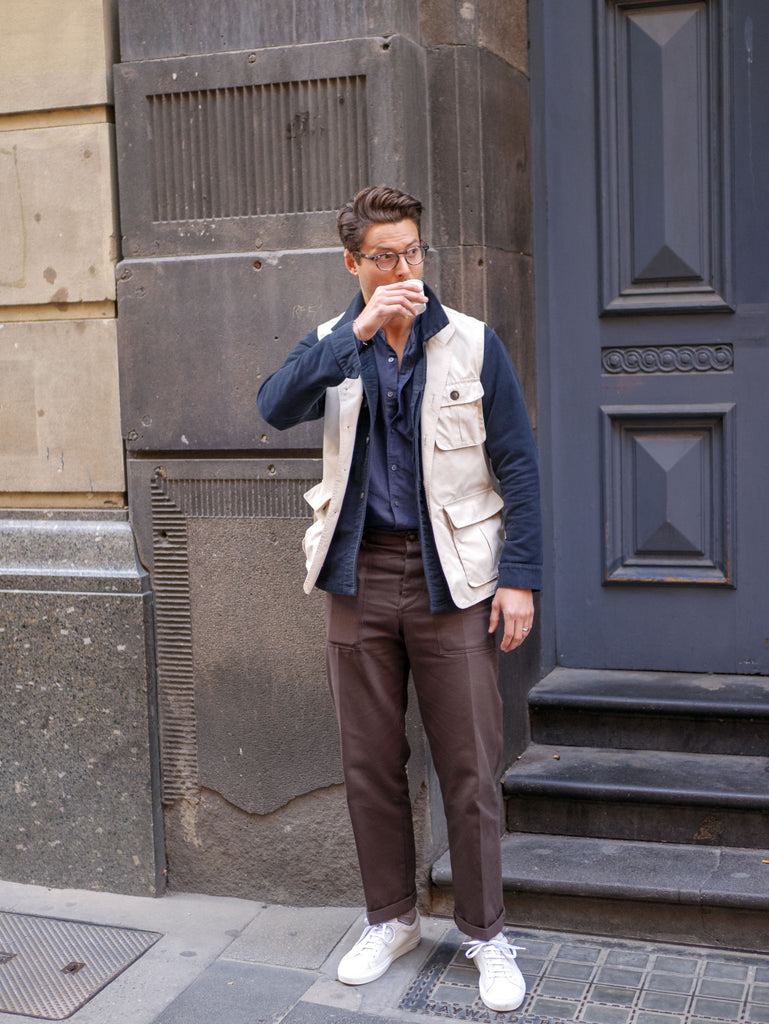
296,393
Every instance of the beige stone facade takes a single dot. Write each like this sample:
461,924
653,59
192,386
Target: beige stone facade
59,409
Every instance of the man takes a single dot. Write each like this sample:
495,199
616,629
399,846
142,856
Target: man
426,535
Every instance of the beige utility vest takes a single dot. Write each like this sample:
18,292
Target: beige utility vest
464,505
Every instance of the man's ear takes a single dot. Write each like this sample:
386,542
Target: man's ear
349,262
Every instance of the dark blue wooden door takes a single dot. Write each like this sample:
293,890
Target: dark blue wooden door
652,274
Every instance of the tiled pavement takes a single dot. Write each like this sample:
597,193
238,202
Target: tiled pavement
230,961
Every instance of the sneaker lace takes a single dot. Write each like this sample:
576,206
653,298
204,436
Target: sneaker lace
498,954
374,937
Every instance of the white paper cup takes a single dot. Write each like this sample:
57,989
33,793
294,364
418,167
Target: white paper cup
420,306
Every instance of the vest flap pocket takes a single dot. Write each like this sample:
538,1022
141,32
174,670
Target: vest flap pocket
459,392
460,418
474,508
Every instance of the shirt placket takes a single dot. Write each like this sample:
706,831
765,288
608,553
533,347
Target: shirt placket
398,434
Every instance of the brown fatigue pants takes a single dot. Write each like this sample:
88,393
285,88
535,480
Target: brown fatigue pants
374,638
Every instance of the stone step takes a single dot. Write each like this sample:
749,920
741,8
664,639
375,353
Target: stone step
717,714
652,795
657,891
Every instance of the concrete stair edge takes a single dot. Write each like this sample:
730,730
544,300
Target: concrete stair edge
601,773
652,693
629,870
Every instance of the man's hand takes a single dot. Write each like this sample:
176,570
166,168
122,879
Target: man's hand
517,610
388,302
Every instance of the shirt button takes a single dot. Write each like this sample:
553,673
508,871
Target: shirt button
454,396
389,394
394,468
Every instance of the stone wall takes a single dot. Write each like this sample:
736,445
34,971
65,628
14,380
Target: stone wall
76,734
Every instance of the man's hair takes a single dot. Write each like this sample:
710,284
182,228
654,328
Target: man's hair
377,204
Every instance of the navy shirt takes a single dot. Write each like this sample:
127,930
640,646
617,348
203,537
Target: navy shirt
392,494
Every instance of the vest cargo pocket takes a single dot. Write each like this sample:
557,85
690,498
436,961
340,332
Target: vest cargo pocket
478,534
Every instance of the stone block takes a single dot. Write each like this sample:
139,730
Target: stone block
149,29
239,994
504,106
79,795
273,936
57,217
225,324
479,121
448,22
503,29
499,26
227,152
59,407
55,55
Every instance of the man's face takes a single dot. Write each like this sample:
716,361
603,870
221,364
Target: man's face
384,238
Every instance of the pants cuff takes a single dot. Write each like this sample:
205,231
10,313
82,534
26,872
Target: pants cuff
389,913
482,934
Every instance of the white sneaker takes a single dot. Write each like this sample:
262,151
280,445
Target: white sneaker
501,983
376,949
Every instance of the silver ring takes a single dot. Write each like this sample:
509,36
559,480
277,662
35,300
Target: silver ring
525,629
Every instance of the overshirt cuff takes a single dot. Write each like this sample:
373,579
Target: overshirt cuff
520,577
346,347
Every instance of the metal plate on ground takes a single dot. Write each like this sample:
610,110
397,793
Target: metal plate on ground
50,968
600,981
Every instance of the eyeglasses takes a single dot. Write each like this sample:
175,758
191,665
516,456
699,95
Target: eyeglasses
414,255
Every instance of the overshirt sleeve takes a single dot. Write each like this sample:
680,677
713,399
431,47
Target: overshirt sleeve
513,456
296,392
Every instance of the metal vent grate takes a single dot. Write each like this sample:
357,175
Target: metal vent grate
50,968
571,978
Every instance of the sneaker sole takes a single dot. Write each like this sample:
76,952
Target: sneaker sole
382,969
498,1008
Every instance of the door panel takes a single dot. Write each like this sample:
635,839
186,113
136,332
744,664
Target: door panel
663,156
656,331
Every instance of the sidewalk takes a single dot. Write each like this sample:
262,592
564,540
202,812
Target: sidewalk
230,961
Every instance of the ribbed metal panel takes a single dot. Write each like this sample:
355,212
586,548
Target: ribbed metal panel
254,150
176,693
242,499
50,968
